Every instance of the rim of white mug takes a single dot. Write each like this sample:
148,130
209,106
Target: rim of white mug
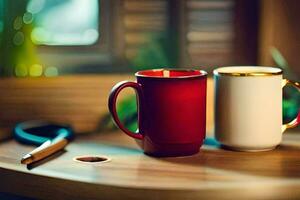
252,71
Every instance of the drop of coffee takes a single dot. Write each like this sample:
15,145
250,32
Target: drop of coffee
91,159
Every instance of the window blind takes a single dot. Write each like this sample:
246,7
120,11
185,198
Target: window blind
208,28
209,32
141,20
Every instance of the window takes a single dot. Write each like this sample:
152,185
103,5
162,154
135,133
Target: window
63,22
75,36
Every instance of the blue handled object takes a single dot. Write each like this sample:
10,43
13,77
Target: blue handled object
38,132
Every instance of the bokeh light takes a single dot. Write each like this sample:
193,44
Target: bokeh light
35,6
51,71
27,18
18,23
18,38
36,70
39,35
21,70
90,36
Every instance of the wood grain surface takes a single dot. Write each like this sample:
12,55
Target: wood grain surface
213,173
77,100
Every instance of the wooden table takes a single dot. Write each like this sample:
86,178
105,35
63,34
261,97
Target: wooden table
213,173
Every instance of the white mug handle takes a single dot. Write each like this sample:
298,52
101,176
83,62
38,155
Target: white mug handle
295,122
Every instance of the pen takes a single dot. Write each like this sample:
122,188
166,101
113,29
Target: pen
46,149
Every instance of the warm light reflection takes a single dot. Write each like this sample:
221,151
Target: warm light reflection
166,73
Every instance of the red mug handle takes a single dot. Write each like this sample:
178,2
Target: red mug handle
112,105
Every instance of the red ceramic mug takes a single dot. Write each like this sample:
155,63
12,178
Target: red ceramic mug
171,110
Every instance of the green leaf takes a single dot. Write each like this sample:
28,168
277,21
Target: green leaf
278,58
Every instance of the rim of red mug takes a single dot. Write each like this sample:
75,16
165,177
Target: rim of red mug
202,73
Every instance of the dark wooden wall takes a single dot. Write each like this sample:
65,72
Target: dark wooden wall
280,28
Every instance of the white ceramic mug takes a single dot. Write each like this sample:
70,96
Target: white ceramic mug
248,107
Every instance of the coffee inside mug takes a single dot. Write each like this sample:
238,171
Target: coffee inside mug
170,73
248,71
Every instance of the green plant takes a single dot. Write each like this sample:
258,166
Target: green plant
156,53
291,101
17,52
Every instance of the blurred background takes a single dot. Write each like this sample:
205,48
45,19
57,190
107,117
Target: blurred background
56,37
111,39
